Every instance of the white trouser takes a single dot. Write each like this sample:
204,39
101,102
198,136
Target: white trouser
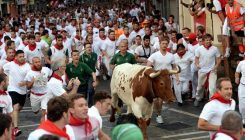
107,64
181,88
225,28
194,77
37,102
241,97
211,84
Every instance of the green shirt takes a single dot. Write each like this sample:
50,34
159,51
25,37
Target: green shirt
90,60
118,59
80,71
47,40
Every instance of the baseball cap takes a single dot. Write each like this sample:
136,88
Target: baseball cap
127,132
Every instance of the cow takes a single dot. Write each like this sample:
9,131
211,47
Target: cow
137,86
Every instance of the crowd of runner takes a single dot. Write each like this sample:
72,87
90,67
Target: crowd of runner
56,57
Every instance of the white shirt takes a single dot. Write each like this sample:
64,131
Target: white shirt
144,52
6,104
109,46
41,79
133,34
171,27
16,74
37,52
55,88
94,112
207,58
161,61
36,134
222,136
17,40
217,5
122,37
241,69
214,110
184,63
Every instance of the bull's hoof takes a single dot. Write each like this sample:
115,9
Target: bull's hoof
112,119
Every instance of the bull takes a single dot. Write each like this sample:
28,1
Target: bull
137,86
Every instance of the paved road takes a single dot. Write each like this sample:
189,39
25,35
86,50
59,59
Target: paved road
180,122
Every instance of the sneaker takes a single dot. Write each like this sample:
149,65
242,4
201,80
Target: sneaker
196,103
16,131
159,119
104,77
180,104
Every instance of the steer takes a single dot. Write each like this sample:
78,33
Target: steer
137,86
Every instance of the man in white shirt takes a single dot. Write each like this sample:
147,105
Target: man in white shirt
231,127
108,50
171,25
57,118
55,86
32,49
221,101
10,57
16,71
81,125
5,100
15,38
143,52
184,60
102,103
135,32
240,72
161,60
123,36
207,61
37,79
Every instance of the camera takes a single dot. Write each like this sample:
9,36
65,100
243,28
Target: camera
210,5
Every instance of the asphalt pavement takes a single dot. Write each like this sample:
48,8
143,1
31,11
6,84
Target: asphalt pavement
179,122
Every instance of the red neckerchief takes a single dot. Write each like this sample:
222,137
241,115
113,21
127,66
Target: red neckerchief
56,76
53,129
9,59
181,54
32,47
2,92
76,122
64,39
78,37
168,49
207,47
194,43
6,30
57,47
103,37
6,48
1,42
218,97
112,39
1,36
13,37
35,69
25,44
126,35
20,64
224,132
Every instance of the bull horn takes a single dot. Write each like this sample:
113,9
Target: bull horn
175,71
155,74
